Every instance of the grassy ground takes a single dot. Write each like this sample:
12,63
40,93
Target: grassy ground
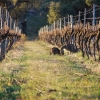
29,73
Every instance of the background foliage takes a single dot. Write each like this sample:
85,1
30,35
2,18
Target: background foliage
54,8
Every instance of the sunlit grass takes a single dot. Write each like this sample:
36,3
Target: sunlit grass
41,76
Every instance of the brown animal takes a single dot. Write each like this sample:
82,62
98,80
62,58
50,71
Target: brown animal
69,47
55,50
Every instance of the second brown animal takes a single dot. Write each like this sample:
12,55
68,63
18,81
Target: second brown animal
55,50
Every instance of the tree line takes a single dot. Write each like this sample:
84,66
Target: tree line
61,8
18,7
54,9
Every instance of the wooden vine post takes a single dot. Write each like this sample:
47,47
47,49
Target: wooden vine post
10,22
51,28
7,17
3,48
57,23
54,25
71,21
64,21
68,20
47,28
85,17
60,24
93,23
44,28
79,19
0,12
1,22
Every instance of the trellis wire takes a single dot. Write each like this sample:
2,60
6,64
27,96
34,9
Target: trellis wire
77,19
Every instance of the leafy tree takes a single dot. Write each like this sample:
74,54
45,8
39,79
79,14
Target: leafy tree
18,7
98,2
54,12
90,2
18,11
72,6
37,3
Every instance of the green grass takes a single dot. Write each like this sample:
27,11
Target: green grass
35,75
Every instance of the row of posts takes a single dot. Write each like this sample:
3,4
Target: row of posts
70,22
6,18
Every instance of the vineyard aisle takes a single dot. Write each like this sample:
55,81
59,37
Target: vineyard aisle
29,72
